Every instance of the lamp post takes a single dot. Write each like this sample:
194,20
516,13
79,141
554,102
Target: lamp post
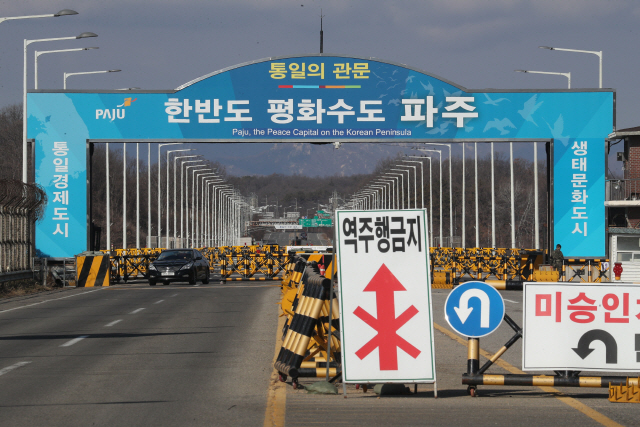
63,12
415,185
421,176
186,197
450,188
598,53
175,214
168,230
440,221
396,183
194,191
402,184
38,53
211,207
24,88
567,75
159,242
182,195
86,72
108,198
389,182
201,208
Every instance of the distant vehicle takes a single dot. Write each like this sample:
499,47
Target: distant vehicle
179,265
303,235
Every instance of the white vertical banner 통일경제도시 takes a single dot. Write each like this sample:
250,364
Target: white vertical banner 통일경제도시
581,327
385,297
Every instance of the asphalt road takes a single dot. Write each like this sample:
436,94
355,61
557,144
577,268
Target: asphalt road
202,355
136,355
497,405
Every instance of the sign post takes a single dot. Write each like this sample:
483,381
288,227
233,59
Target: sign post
581,327
385,297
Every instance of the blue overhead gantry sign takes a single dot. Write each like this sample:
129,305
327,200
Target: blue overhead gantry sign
324,98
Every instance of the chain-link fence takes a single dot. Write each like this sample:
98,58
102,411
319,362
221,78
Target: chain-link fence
21,205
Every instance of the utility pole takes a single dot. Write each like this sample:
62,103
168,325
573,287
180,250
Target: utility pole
321,33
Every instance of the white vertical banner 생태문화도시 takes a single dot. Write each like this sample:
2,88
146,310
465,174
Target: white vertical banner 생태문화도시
385,296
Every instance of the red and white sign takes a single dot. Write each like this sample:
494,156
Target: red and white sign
385,297
581,327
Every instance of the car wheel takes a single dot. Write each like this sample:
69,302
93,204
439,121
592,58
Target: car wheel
192,278
152,282
205,281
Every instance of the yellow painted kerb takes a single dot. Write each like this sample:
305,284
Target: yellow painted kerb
277,393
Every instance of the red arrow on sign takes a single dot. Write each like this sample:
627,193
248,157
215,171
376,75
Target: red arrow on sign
385,284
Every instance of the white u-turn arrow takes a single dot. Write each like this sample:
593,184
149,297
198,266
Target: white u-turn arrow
464,310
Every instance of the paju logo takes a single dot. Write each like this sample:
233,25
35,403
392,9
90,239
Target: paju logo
114,113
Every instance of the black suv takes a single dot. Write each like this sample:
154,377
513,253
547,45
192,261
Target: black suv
179,265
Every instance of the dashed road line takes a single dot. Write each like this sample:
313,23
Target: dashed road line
515,302
158,302
196,286
12,367
73,341
113,323
55,299
137,310
174,295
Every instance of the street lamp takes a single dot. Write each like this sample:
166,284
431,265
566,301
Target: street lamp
63,12
175,214
396,184
24,89
598,53
38,53
186,198
174,182
159,242
194,190
567,75
440,220
182,194
450,188
86,72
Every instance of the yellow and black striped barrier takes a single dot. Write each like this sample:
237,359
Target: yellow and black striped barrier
92,271
476,376
547,380
628,392
301,329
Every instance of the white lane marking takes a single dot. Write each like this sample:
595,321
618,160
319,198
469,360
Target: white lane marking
55,299
174,295
137,310
115,322
515,302
73,341
196,285
158,302
12,367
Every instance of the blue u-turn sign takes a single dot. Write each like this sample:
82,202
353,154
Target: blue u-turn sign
474,309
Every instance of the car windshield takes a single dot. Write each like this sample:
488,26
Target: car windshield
175,256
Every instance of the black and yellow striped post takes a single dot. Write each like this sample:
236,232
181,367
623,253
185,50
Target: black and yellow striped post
92,271
301,329
546,380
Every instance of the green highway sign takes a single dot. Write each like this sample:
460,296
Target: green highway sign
316,222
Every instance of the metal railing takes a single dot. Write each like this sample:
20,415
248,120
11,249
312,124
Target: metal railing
623,189
21,205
